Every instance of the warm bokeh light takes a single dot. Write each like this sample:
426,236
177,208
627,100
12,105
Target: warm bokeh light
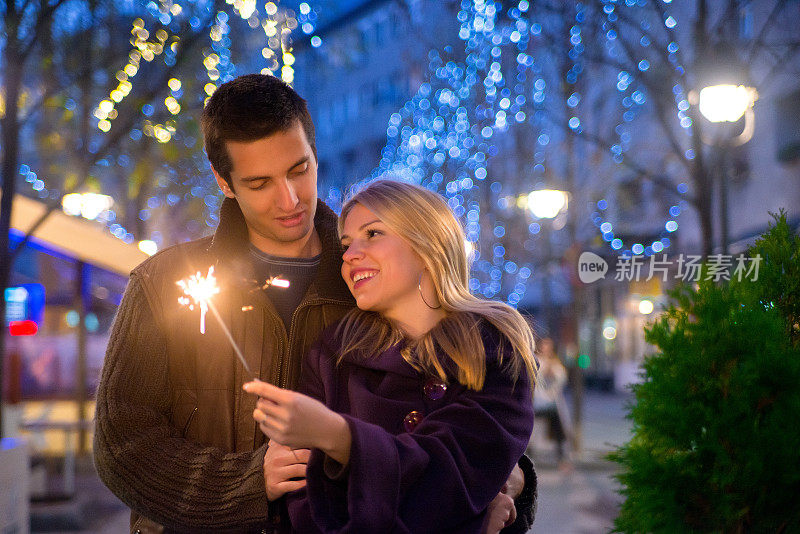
86,205
279,282
148,247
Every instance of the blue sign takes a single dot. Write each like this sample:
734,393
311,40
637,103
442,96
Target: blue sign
25,303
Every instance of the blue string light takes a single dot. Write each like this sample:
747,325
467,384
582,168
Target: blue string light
633,100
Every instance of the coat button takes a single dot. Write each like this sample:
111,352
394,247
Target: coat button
434,389
411,421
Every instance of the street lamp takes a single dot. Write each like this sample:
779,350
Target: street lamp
547,203
725,96
728,103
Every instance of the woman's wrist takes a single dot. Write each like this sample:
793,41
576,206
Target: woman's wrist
337,439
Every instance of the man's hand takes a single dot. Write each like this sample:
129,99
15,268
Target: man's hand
515,483
281,466
501,513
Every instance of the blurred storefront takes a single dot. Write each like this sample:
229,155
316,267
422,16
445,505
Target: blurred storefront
66,284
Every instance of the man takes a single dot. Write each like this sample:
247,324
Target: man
175,438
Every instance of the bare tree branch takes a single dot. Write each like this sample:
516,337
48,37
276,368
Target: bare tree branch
660,180
659,9
770,77
24,6
41,21
108,60
727,16
114,137
656,88
758,42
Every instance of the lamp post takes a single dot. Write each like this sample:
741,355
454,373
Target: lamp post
548,204
728,103
726,98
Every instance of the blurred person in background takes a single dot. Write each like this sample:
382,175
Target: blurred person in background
549,402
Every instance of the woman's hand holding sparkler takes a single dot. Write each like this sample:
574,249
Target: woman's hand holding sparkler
298,421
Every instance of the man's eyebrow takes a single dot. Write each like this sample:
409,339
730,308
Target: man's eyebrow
302,160
248,179
345,236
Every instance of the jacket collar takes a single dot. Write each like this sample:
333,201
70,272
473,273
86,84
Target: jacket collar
390,361
231,244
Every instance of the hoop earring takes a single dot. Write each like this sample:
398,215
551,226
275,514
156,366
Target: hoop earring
419,286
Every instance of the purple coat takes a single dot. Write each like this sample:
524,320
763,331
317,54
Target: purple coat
423,458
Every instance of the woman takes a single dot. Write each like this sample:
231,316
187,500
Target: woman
548,399
425,389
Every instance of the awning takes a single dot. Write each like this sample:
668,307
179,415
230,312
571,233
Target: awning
78,238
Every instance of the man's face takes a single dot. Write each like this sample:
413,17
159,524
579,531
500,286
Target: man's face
275,182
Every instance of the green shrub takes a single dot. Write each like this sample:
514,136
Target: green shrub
716,439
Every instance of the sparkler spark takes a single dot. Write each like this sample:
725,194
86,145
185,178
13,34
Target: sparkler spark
273,281
278,282
199,290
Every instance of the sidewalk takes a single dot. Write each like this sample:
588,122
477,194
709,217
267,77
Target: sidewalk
582,502
585,501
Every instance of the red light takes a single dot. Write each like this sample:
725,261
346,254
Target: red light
23,328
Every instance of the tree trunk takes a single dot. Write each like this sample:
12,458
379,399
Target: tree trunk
9,131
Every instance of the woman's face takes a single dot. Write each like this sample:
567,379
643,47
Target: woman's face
380,268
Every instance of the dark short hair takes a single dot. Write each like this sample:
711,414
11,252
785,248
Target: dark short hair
249,108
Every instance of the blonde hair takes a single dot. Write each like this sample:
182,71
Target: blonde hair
423,219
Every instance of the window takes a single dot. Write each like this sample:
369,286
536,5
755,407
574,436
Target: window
787,126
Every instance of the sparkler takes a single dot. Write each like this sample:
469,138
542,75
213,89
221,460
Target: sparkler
199,290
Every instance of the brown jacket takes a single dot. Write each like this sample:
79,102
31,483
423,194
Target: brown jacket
175,438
